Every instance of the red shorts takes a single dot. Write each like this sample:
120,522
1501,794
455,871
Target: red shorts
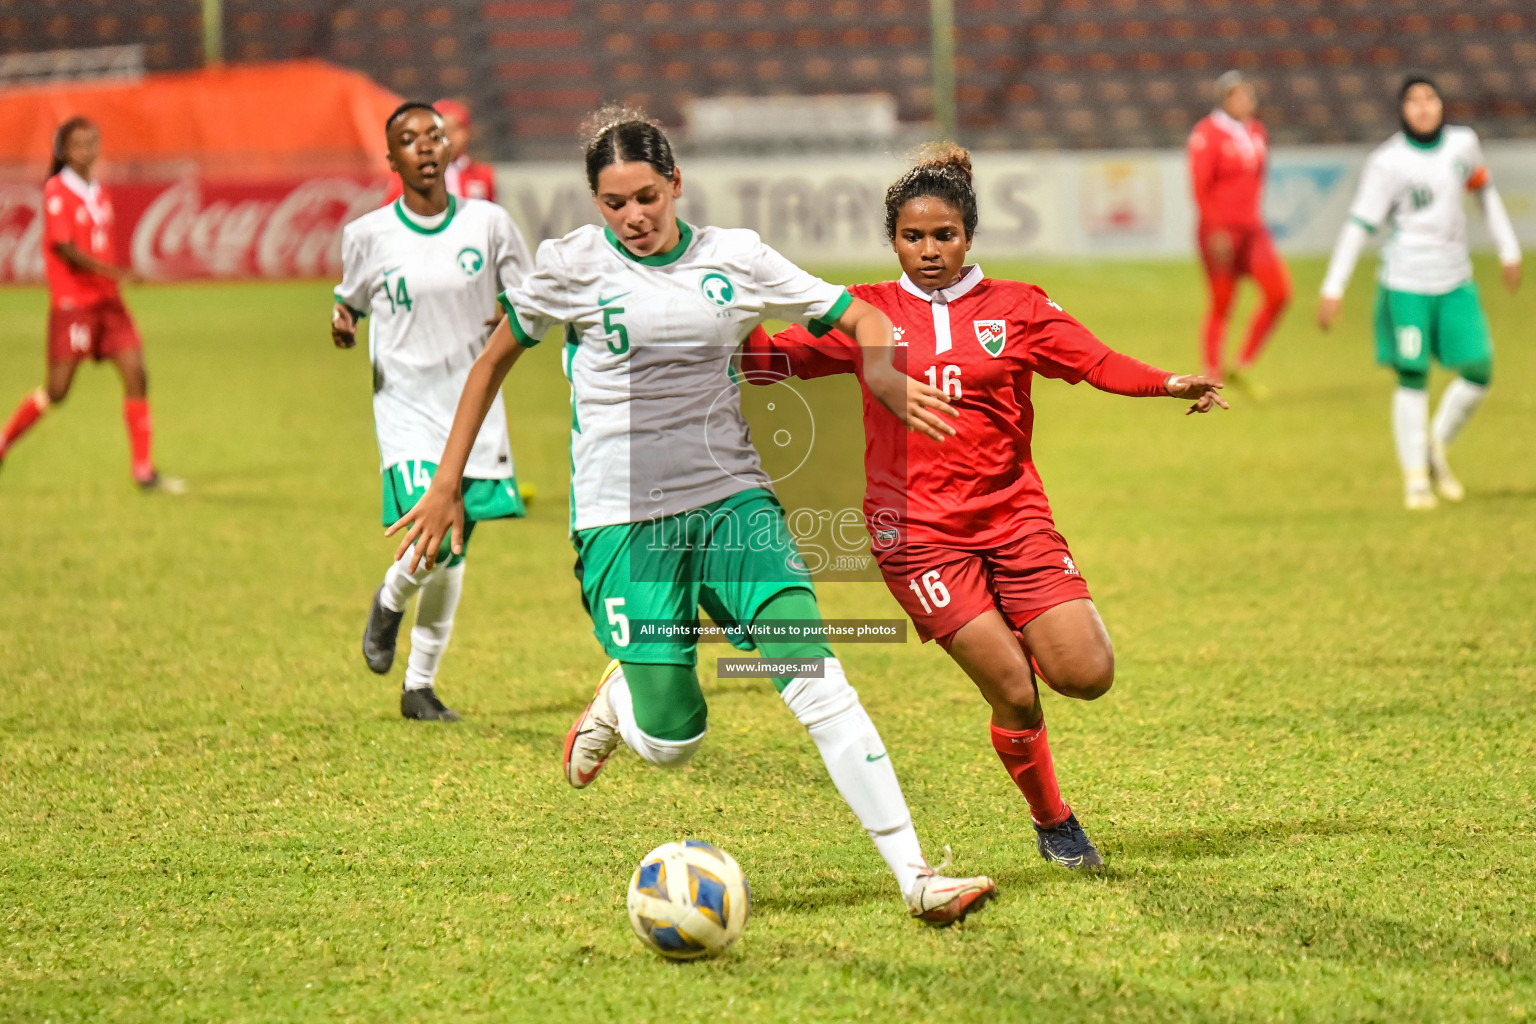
942,588
98,331
1253,251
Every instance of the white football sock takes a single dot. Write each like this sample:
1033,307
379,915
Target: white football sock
662,753
1457,404
1410,429
860,768
400,586
434,624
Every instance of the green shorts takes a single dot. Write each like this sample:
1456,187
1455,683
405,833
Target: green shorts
643,583
405,482
1412,328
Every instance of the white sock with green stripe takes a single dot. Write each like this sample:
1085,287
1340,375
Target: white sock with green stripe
434,624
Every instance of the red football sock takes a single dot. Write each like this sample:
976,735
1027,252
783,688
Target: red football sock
140,431
1213,331
1026,754
27,413
1275,280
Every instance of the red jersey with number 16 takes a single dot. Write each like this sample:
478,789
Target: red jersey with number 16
76,211
980,341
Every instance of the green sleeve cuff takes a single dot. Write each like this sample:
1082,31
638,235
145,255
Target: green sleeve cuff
517,329
357,314
1363,223
822,324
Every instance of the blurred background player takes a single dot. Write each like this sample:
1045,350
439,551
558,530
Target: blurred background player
427,267
1427,305
962,530
86,315
1228,156
665,481
464,177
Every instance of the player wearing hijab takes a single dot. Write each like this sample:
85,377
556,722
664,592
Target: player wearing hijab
86,315
1228,155
428,267
1427,306
670,507
962,530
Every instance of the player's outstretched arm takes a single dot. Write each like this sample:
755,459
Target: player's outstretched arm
916,404
343,326
1204,392
440,512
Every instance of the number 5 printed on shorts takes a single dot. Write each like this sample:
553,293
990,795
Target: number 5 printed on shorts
614,606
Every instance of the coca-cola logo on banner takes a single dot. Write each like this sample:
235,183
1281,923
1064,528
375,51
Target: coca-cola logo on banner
192,229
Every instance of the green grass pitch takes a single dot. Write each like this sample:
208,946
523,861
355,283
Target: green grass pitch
1313,779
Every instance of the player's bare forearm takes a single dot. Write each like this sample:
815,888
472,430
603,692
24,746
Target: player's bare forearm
916,404
485,379
439,515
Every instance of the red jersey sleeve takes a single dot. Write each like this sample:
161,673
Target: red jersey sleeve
58,216
796,352
1202,166
1056,345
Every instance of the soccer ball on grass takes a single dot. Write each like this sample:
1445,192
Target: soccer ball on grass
688,900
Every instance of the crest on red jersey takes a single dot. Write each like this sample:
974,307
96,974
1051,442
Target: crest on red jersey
993,335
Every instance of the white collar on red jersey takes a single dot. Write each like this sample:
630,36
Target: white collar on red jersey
1237,129
944,296
88,191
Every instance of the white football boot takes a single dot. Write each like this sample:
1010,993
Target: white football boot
943,901
1446,484
1417,493
593,737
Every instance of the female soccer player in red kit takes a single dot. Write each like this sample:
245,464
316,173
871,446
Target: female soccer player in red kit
86,315
961,528
1228,155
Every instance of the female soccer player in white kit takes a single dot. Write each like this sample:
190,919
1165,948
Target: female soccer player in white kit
1426,303
428,267
670,507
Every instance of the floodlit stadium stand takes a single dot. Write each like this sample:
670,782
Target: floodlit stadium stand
1029,73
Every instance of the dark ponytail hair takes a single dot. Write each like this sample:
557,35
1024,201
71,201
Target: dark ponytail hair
942,171
61,139
615,134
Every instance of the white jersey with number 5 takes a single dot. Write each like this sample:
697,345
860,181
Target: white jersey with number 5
656,424
429,284
1417,191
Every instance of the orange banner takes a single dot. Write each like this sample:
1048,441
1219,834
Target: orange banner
247,121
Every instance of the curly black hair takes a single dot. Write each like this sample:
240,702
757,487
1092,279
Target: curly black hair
942,171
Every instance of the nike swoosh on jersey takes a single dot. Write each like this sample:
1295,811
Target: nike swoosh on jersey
874,757
615,298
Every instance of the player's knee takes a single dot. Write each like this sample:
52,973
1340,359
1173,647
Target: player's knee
1479,373
1090,675
1017,694
815,701
672,753
57,392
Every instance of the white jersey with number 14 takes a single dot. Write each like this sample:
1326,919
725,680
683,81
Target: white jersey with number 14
428,286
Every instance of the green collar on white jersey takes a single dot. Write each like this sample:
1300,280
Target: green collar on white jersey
660,259
1428,146
419,229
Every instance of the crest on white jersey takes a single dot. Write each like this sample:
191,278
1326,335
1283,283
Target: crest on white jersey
717,288
993,335
470,261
